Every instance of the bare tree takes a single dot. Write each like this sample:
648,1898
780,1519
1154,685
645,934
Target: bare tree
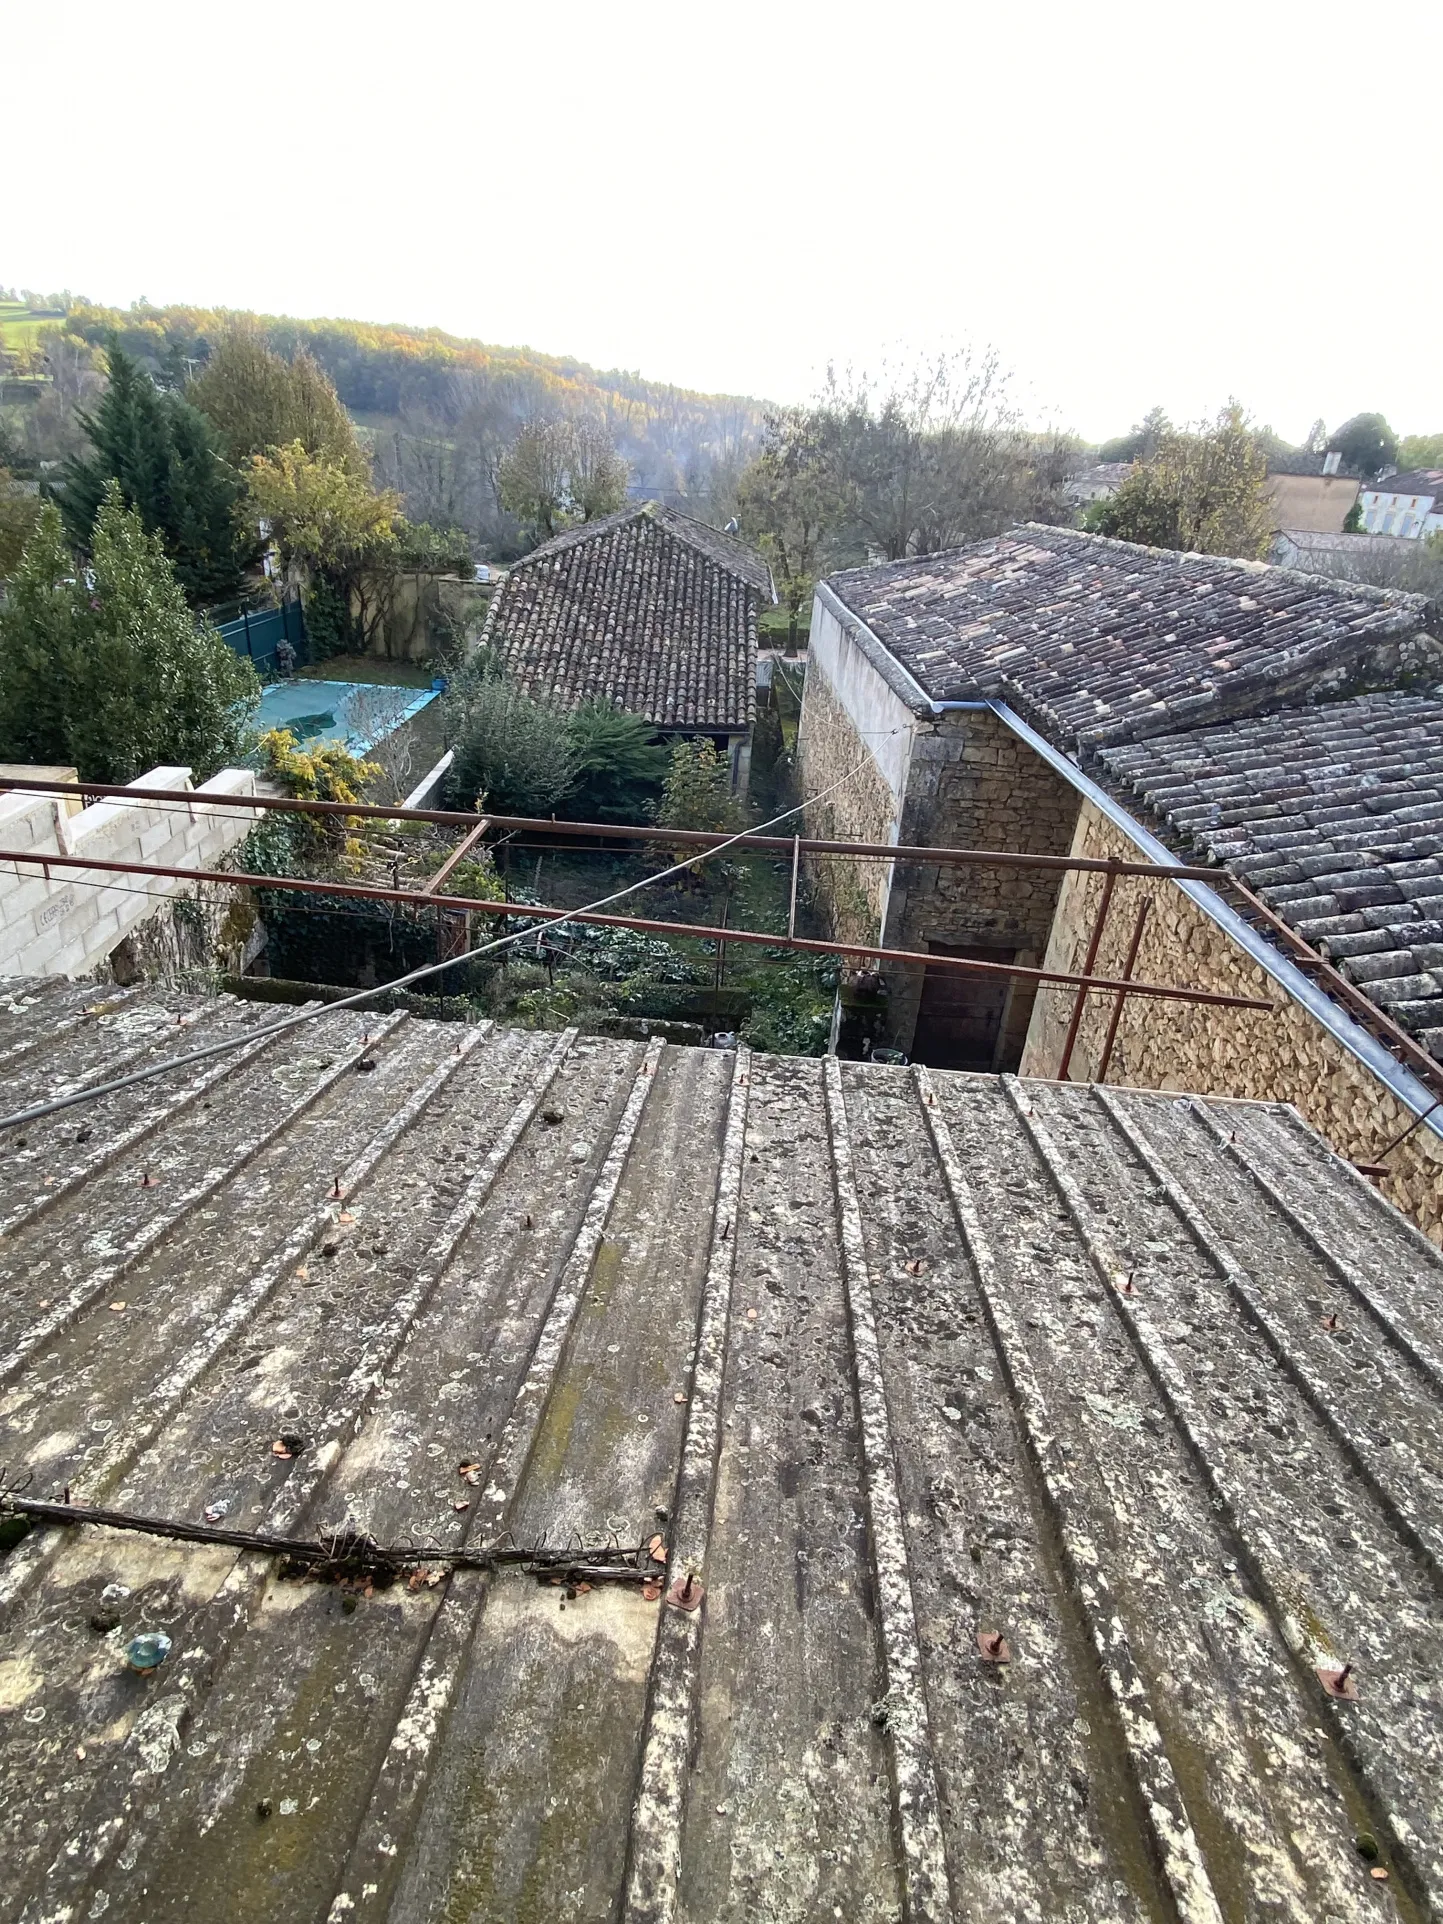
930,456
559,472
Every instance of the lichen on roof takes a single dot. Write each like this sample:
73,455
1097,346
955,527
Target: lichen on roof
1099,641
899,1363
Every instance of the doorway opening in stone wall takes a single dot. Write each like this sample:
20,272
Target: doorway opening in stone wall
968,1021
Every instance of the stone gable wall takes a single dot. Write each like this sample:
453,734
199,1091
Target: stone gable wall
1284,1057
974,784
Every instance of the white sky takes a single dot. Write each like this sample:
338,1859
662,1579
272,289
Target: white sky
1135,203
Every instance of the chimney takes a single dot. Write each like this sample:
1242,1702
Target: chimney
1331,461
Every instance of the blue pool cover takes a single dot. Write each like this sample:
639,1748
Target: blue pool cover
356,713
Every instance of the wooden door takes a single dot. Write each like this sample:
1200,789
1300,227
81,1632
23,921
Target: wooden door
962,1018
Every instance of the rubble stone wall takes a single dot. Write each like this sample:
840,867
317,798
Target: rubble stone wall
974,784
1286,1056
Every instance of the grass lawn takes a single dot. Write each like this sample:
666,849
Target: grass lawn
374,668
20,324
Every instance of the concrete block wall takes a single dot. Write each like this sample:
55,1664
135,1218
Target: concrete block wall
1286,1056
69,921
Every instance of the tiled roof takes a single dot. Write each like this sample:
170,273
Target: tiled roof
1334,815
1144,1387
1309,542
1411,481
646,607
1102,641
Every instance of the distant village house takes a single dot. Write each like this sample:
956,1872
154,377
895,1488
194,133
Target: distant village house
1409,505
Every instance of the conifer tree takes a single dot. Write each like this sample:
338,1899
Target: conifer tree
112,673
163,455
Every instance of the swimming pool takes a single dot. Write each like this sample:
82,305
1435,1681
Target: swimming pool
356,713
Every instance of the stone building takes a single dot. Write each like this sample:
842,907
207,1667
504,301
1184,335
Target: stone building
1056,693
646,608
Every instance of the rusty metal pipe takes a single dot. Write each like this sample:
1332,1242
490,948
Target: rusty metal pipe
458,855
192,798
1132,948
700,932
1094,943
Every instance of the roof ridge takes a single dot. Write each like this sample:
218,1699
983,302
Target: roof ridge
1399,598
724,551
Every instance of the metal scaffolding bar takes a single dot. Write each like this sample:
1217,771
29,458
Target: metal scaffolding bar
1094,943
415,898
619,831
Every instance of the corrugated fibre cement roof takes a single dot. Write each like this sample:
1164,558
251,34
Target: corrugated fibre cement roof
1044,1456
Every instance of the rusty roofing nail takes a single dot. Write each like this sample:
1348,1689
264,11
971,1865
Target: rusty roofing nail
994,1646
1339,1683
687,1592
335,1188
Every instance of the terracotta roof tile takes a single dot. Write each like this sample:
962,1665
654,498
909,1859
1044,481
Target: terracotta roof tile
1102,641
648,608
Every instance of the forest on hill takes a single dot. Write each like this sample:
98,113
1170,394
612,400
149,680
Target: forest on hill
436,411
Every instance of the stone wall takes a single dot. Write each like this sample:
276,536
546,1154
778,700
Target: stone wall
1287,1056
974,784
406,616
70,922
836,744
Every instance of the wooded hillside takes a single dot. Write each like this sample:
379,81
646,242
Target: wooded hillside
438,411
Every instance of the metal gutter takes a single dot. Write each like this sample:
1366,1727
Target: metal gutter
1380,1062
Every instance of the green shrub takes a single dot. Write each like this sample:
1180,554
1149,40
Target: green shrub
619,762
514,754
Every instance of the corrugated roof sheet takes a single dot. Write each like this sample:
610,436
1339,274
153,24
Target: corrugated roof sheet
647,608
1334,814
1100,641
1147,1387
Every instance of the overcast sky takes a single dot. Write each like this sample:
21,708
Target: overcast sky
1133,203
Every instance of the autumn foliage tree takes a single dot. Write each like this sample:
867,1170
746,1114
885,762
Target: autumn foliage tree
330,526
258,401
1204,492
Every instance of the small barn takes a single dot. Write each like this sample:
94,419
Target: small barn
647,608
